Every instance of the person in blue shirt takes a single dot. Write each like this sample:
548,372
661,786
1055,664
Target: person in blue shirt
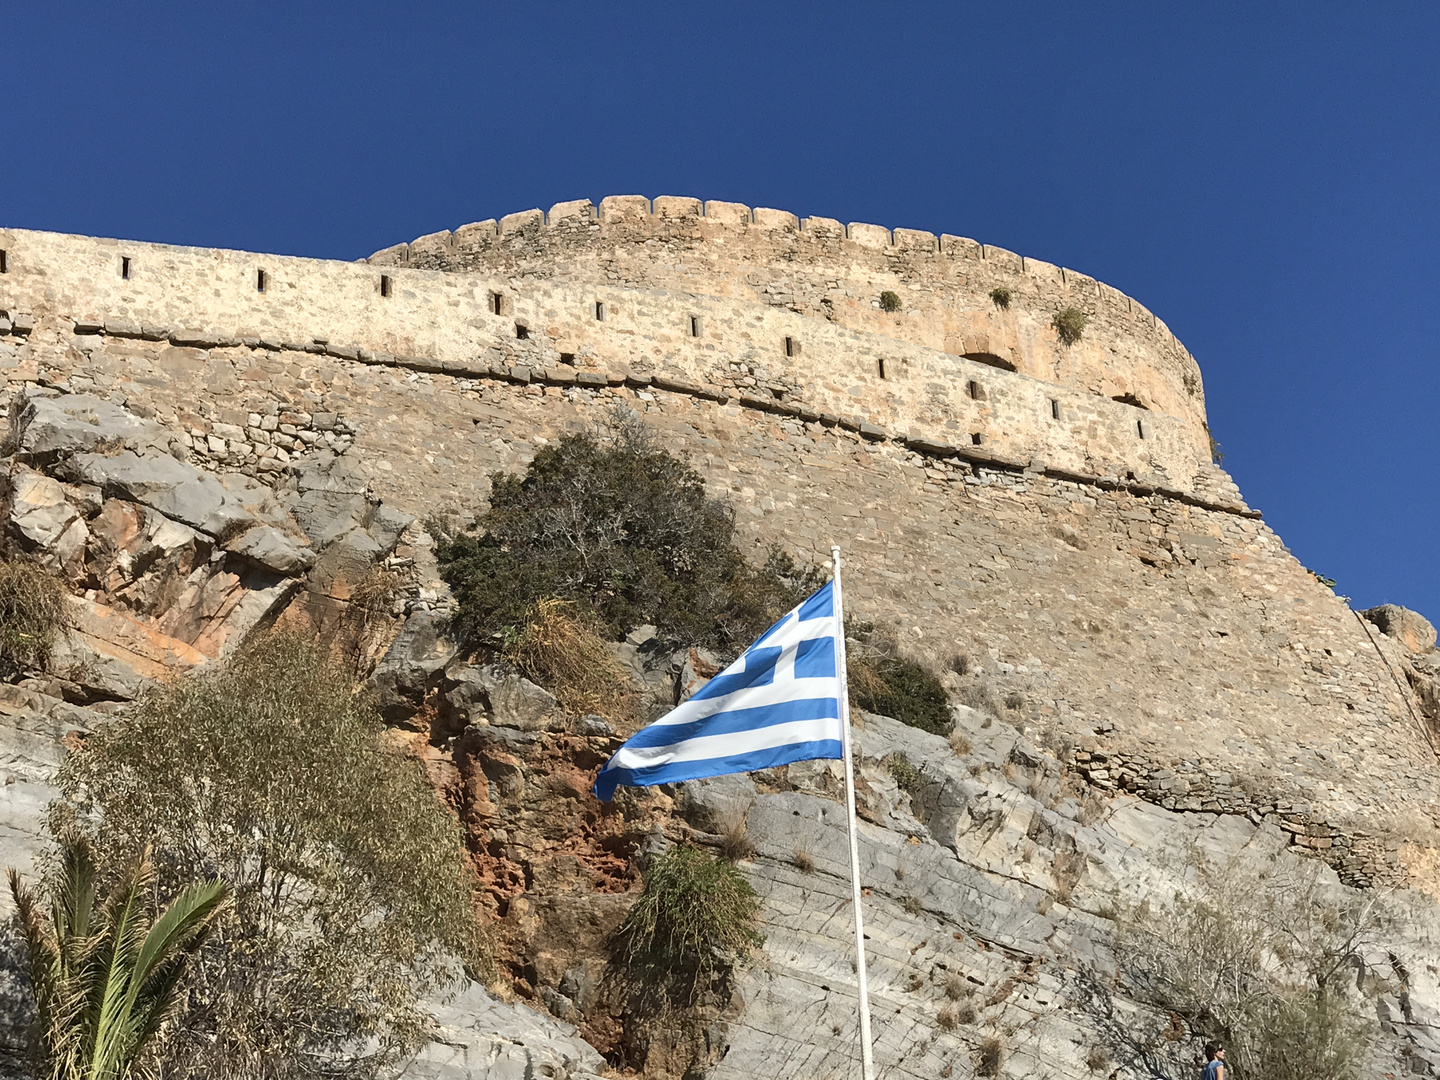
1214,1062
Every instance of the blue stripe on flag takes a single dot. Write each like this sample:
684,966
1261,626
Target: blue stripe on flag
607,781
819,606
759,671
733,720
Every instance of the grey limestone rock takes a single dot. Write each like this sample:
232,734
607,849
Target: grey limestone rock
480,1038
270,548
174,488
497,695
412,665
44,426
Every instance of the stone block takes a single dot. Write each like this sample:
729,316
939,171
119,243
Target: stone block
580,209
775,220
676,206
513,223
615,208
727,213
871,236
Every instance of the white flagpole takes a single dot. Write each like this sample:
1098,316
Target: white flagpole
866,1061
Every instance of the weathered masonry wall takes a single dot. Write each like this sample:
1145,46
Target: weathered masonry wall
728,346
1180,645
833,272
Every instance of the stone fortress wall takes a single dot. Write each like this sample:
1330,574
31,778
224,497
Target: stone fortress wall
929,372
1109,590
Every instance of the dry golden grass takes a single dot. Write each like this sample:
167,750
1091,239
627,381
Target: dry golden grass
561,649
33,612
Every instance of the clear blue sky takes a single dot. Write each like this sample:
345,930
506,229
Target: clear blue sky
1265,177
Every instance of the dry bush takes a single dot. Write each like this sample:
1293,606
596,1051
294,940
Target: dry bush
1097,1060
900,688
352,889
371,604
1066,871
966,1013
695,915
1265,966
912,905
914,982
1092,808
945,1018
991,1057
957,987
33,611
803,860
735,842
1014,700
561,648
960,743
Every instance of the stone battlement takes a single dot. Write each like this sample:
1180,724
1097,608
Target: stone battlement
820,267
1123,403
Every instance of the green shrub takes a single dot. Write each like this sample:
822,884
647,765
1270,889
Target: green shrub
889,300
1069,324
351,884
33,611
901,689
619,523
906,775
696,913
1001,297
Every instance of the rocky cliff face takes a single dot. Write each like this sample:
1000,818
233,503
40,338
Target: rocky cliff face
994,877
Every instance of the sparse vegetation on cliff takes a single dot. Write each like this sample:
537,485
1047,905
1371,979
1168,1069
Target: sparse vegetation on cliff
614,521
1266,967
352,890
1000,297
32,612
561,648
1069,324
696,913
900,688
889,300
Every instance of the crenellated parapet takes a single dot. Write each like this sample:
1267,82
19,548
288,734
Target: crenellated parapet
823,269
752,306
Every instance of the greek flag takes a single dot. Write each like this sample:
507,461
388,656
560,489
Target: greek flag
778,703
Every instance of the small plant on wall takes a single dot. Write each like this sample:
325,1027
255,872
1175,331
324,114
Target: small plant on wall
1069,324
889,301
1001,298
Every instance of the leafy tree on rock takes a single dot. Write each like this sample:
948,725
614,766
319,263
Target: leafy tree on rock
352,891
618,522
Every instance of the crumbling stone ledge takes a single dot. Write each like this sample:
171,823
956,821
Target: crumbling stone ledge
1358,858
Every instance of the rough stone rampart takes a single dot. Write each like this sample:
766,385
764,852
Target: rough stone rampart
732,345
820,268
